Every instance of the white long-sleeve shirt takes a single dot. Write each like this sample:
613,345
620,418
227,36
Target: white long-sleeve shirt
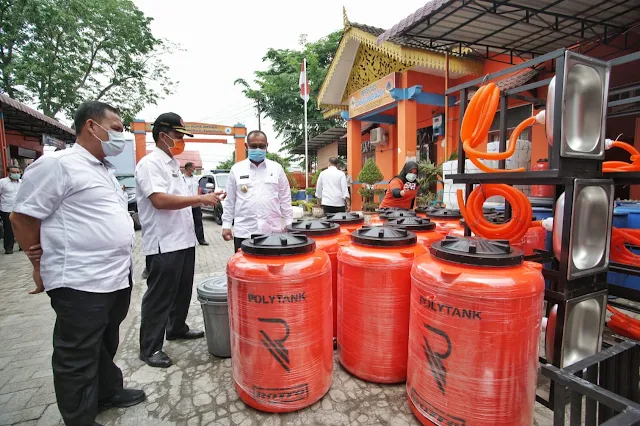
8,191
331,187
258,199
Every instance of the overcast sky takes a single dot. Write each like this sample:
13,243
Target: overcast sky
226,40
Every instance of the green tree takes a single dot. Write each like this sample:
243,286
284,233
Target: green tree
369,176
278,92
59,53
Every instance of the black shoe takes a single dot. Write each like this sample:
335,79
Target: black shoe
203,243
189,335
124,398
158,359
8,251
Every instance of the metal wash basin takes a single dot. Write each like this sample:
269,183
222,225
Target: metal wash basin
584,96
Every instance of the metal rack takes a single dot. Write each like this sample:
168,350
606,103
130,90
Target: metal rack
562,173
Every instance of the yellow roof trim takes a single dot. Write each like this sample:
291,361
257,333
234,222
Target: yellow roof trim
333,110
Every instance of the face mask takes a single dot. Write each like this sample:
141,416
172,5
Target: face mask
411,177
114,145
258,155
178,146
15,176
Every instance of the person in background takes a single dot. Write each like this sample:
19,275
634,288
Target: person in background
168,241
192,185
8,190
331,189
349,181
258,196
403,188
70,204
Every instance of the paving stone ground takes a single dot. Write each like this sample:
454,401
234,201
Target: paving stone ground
197,390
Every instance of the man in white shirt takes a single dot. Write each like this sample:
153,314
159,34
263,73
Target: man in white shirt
71,205
168,241
331,189
192,184
258,195
8,189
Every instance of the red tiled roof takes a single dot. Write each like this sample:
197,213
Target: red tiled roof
15,119
185,157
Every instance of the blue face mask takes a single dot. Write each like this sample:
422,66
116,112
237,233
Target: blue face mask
258,155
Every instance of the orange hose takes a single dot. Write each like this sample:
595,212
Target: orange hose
621,166
619,251
476,124
514,229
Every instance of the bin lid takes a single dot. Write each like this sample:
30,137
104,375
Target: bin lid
412,223
397,214
317,227
476,251
345,218
383,236
383,210
213,289
278,244
427,210
446,213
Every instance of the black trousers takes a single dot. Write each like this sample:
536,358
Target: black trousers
9,239
237,243
165,304
197,223
333,209
85,341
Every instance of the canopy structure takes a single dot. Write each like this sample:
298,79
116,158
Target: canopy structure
520,28
29,122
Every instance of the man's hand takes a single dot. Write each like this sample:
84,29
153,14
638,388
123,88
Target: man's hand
402,193
210,199
38,280
227,235
34,253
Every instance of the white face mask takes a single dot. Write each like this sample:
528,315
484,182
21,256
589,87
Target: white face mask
114,145
411,177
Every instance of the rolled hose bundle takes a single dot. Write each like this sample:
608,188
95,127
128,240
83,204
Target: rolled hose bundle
621,166
513,230
619,251
477,122
623,324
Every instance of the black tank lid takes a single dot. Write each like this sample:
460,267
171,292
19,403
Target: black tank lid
476,251
397,214
427,210
314,228
446,213
412,223
345,218
488,210
383,236
383,210
278,244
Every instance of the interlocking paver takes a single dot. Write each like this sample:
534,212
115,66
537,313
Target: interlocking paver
197,390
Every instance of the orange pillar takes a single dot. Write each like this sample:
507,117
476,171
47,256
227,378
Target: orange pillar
354,159
407,131
239,135
139,129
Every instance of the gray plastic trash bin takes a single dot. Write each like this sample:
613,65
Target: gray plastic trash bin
212,294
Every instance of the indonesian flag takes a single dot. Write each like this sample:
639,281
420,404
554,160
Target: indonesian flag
304,83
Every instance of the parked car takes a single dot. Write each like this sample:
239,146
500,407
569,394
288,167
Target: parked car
213,182
128,182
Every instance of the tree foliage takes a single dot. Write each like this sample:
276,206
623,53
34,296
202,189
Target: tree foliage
59,53
370,173
278,91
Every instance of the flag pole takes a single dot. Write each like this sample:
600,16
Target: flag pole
306,135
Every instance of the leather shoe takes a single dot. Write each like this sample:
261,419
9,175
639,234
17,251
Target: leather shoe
203,243
158,359
124,398
189,335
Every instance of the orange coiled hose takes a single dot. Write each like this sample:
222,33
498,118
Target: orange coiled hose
513,230
621,166
623,324
619,251
477,122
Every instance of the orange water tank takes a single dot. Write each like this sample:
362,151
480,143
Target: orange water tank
280,317
348,222
542,191
446,220
327,236
424,229
374,284
476,309
534,238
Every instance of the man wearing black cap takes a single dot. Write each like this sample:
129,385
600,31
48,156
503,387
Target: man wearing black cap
168,241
